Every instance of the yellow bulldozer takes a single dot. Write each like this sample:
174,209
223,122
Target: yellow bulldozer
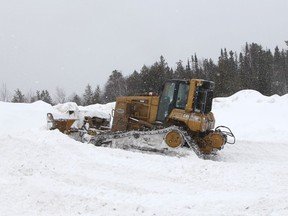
181,114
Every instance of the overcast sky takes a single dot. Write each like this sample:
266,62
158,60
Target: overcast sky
69,43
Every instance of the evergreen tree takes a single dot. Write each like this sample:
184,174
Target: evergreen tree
243,77
279,85
232,76
18,97
96,95
265,72
38,95
284,60
146,78
188,67
188,70
156,75
196,71
196,65
76,99
115,86
180,72
221,75
134,84
209,69
88,96
45,96
247,68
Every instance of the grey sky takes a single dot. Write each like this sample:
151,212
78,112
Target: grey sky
69,43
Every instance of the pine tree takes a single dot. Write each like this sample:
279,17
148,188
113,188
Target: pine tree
188,70
156,75
45,96
38,95
242,72
277,72
265,72
232,76
196,66
18,97
284,60
88,96
146,78
188,67
76,99
134,84
247,68
180,72
221,88
209,69
96,95
115,86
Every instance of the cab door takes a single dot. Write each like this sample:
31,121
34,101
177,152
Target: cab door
167,100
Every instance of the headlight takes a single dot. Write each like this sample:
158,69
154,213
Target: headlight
205,124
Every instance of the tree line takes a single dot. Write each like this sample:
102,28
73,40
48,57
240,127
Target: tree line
89,96
253,68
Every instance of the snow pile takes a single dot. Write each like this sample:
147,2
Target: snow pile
47,173
99,110
17,117
70,110
253,116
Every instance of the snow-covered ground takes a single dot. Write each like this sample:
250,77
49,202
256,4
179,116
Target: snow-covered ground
47,173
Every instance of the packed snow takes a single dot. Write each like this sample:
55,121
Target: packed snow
45,172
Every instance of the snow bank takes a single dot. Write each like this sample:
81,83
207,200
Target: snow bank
15,117
47,173
20,116
253,116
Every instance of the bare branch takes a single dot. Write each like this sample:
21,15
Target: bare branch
60,95
4,93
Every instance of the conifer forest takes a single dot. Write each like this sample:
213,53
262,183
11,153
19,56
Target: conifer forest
254,67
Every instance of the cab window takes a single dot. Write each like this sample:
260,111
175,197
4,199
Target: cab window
166,101
182,96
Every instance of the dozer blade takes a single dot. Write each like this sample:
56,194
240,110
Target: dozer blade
63,125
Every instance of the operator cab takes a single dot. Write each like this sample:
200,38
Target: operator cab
175,95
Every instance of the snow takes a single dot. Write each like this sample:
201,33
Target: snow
253,116
62,111
47,173
16,117
100,110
